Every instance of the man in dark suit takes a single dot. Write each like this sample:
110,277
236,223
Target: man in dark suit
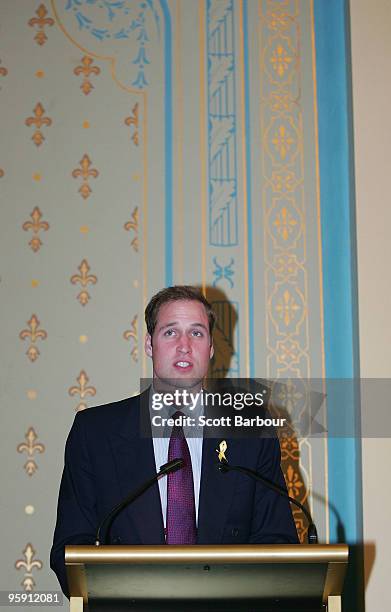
106,457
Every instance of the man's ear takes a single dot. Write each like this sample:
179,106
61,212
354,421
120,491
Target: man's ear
148,345
212,351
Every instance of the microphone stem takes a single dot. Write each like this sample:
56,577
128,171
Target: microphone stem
131,498
312,534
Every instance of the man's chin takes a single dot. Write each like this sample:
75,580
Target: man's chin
177,382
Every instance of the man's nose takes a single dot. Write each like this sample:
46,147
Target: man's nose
184,345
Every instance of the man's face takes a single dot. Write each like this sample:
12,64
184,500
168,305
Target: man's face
181,346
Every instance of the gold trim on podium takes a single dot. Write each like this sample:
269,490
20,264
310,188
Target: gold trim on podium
334,556
250,553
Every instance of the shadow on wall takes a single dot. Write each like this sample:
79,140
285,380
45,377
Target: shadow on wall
225,358
370,556
224,364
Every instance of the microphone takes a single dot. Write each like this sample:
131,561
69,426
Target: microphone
225,467
167,468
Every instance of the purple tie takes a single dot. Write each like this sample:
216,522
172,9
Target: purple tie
181,521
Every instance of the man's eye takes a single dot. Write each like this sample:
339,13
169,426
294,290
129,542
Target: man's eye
169,332
197,333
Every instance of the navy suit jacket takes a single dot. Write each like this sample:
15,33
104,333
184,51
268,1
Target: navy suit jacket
106,458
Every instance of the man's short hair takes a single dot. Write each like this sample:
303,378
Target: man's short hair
173,294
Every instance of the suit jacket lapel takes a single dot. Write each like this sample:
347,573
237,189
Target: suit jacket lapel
135,464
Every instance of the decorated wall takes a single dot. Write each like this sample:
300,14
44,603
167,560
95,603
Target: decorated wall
146,143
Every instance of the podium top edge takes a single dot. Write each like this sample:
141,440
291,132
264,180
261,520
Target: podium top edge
247,554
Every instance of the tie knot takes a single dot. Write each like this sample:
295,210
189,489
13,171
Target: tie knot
177,429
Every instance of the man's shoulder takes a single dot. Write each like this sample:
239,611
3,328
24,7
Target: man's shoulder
109,413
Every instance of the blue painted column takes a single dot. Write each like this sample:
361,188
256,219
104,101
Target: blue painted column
168,139
333,68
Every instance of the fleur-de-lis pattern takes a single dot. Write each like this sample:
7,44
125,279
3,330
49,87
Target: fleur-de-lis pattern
30,447
85,172
35,225
133,226
84,279
132,334
86,69
39,23
3,70
140,175
29,564
38,121
133,121
33,334
83,390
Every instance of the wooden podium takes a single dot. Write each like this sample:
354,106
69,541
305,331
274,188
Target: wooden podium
247,578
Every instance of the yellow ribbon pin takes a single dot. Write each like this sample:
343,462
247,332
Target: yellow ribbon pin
221,452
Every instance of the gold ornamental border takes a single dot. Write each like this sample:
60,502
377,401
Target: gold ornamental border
278,19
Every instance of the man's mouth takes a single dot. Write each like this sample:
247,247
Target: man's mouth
183,365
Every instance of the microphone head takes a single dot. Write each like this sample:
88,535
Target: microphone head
171,466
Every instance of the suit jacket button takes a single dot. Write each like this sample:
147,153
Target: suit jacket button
235,532
117,540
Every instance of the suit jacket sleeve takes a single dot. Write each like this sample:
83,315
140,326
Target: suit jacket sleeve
76,511
272,521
